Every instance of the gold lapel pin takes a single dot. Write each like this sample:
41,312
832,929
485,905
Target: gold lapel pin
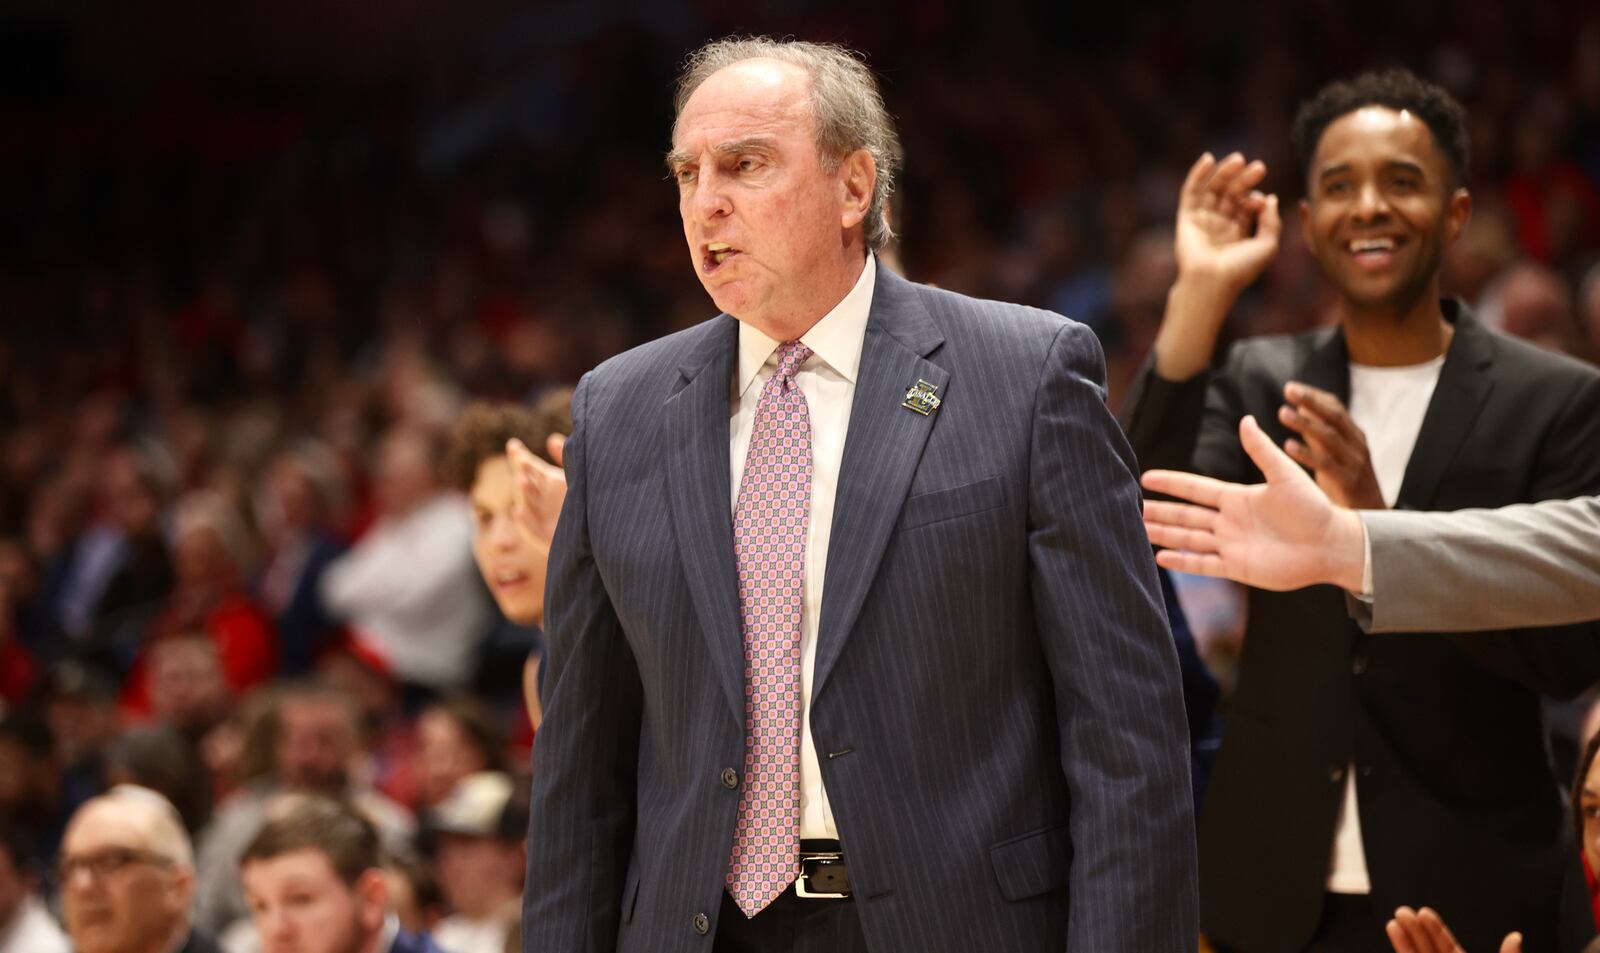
921,398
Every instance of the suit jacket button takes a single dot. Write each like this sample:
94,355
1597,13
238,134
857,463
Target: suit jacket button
1358,665
702,925
730,778
1336,773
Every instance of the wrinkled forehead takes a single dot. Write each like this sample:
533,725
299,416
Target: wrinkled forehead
749,98
1377,135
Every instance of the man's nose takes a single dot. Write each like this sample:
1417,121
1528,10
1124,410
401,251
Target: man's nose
1370,201
273,924
503,532
708,198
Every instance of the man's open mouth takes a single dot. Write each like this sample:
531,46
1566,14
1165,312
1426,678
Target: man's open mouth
714,254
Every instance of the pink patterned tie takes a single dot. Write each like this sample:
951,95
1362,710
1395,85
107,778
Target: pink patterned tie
769,546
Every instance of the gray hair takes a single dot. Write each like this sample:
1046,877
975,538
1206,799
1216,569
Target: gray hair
845,103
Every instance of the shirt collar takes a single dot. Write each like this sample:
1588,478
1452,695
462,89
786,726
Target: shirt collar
835,340
389,933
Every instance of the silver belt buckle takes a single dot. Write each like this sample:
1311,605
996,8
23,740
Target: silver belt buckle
800,888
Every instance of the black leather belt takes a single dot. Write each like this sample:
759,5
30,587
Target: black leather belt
823,874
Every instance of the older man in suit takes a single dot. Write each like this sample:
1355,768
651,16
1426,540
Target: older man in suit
855,639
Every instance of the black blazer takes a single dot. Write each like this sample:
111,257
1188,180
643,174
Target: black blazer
1459,807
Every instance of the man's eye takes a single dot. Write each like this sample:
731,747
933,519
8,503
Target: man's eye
1336,188
749,165
684,176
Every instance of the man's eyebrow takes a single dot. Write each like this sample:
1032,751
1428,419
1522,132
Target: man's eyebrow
740,146
756,144
1405,165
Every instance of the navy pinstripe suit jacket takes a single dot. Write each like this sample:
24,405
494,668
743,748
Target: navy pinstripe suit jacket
996,699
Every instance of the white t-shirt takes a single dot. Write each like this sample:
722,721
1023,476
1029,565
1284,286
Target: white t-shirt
1388,404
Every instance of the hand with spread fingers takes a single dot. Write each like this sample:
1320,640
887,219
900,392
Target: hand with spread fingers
1422,931
1226,234
1227,231
541,488
1331,445
1281,534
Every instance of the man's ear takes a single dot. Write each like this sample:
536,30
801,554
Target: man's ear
372,898
1457,213
858,177
182,893
1305,222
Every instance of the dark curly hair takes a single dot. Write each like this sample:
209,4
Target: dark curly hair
1398,89
483,430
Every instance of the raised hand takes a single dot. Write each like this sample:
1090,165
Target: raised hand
1226,234
1227,231
1281,534
1331,445
540,489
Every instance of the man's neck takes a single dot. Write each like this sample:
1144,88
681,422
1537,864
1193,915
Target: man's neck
1396,336
792,327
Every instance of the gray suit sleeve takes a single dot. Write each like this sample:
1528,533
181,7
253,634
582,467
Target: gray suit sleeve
1476,570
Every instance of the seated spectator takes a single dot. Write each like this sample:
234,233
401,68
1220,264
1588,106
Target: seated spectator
414,893
121,572
160,758
25,925
213,553
479,832
315,884
389,736
314,736
186,685
516,498
294,508
78,700
19,668
127,877
408,587
30,785
456,737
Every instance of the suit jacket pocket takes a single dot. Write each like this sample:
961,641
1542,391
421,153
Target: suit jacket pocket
630,891
937,505
1033,863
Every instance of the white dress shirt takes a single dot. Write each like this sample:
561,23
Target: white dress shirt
828,381
1388,404
32,930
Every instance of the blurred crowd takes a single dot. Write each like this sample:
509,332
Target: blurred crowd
238,327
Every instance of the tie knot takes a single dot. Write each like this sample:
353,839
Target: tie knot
791,354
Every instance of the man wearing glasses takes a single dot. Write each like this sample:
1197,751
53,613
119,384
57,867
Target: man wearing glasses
127,877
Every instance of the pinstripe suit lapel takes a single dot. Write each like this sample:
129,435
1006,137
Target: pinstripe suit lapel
881,452
699,488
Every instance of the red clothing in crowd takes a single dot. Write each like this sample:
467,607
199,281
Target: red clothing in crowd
246,645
